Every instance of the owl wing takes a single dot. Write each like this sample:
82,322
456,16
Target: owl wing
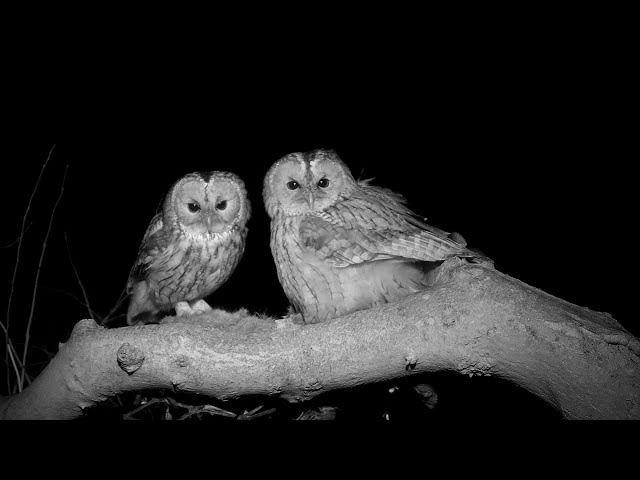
376,226
153,242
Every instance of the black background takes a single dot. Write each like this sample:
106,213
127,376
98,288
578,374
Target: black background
524,149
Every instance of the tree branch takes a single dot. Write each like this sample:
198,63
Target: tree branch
474,320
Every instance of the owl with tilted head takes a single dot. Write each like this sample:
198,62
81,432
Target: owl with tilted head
341,244
191,247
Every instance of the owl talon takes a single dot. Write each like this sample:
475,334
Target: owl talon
197,308
201,307
296,319
182,309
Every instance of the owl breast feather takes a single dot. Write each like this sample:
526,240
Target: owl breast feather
190,269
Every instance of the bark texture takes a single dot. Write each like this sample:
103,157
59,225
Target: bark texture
474,320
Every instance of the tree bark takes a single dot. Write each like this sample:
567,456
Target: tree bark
474,320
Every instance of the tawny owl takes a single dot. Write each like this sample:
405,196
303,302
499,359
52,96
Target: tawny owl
342,245
191,247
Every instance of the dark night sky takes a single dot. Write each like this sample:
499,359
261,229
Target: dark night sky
540,199
530,165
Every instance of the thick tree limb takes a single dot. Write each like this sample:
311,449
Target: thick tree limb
474,320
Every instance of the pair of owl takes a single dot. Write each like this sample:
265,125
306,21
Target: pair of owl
339,245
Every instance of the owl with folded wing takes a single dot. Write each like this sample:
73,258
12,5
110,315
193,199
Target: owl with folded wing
342,245
191,247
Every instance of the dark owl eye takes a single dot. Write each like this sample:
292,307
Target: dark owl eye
222,205
193,207
292,185
323,183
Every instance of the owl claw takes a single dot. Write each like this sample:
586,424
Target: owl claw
183,308
201,307
297,319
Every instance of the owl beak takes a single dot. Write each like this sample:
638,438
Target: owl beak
209,224
311,200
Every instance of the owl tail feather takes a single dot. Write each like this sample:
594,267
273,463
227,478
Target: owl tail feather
144,318
141,308
475,255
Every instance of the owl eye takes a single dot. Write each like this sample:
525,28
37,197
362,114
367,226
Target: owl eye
222,205
323,183
292,185
193,207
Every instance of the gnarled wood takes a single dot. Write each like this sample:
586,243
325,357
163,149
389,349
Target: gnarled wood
474,320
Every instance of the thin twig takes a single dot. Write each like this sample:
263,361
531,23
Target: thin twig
84,293
15,272
129,416
68,294
17,239
12,354
121,299
253,414
210,409
10,343
35,286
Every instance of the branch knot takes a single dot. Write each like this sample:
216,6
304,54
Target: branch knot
130,358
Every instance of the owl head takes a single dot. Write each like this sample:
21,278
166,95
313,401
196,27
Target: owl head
207,203
302,183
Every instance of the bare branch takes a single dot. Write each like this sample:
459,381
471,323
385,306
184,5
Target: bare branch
108,317
475,321
17,240
68,294
129,416
84,293
35,286
14,359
